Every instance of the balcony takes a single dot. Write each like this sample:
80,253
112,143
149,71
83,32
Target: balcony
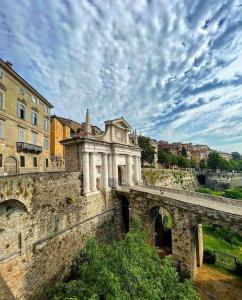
30,148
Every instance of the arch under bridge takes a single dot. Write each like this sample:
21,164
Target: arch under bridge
188,211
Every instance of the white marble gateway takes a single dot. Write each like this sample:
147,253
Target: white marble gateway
108,160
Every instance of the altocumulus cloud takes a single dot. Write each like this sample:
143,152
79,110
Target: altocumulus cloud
172,68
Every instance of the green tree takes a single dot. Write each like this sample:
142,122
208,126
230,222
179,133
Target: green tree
147,150
236,156
164,157
129,269
202,164
193,163
233,165
183,162
214,160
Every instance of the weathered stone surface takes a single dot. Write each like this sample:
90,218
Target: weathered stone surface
185,180
222,181
188,210
44,222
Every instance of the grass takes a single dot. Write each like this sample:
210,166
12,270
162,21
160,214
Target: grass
213,242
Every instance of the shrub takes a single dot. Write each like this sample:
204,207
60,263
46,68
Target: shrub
209,257
129,269
234,193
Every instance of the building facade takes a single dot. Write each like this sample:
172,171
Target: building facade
24,125
108,160
59,131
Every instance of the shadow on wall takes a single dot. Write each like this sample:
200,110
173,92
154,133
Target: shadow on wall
60,227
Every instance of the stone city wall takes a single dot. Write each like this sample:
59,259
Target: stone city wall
222,181
185,180
44,222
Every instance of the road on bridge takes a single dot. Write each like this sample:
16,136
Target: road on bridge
231,206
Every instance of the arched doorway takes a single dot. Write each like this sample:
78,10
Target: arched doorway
125,213
201,179
10,166
162,224
120,175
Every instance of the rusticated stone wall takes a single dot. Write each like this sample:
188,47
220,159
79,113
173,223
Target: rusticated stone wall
185,180
44,222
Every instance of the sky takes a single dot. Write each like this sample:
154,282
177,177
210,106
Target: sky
172,69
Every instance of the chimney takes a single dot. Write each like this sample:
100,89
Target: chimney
9,64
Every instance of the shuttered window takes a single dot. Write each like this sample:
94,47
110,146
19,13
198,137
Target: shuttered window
21,135
1,129
21,111
1,100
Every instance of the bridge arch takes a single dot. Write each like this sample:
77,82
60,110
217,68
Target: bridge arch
201,178
161,229
124,202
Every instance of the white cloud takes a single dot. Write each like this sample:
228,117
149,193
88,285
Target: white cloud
169,67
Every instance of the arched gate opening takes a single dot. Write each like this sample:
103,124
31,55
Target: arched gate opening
162,225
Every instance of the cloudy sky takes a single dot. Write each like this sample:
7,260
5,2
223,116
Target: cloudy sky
173,69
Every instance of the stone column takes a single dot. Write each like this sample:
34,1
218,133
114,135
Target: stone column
140,174
136,169
115,171
110,170
129,169
93,177
105,170
85,170
199,245
184,243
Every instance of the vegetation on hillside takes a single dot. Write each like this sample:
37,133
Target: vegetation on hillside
168,159
127,269
233,192
222,239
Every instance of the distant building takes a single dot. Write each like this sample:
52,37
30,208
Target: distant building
225,155
24,125
195,152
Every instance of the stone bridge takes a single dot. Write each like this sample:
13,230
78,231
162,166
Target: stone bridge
188,211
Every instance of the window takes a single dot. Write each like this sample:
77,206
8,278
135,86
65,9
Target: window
21,91
34,138
21,111
1,160
1,73
35,100
22,161
21,135
47,110
46,144
46,125
46,162
35,162
1,129
1,99
34,118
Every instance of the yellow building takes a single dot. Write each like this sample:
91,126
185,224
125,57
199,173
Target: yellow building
59,130
24,125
